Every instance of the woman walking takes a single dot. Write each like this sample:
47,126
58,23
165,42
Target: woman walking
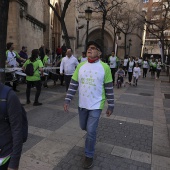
32,68
158,68
145,65
130,67
125,62
153,66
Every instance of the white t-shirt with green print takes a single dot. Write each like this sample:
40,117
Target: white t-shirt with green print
91,78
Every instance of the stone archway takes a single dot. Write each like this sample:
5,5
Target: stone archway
95,35
56,32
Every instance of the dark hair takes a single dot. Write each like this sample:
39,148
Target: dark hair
34,55
24,47
83,52
8,45
47,51
120,66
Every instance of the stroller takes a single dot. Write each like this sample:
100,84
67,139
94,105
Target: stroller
119,81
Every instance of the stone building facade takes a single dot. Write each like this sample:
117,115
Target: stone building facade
33,23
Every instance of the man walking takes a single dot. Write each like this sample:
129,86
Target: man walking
113,62
23,54
68,64
94,80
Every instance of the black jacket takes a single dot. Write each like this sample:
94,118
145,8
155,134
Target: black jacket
128,66
11,130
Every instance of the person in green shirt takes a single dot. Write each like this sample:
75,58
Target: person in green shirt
46,62
153,66
35,79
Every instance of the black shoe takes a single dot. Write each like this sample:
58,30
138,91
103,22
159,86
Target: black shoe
16,90
37,104
28,102
45,86
88,163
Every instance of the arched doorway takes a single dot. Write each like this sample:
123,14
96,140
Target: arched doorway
56,32
95,35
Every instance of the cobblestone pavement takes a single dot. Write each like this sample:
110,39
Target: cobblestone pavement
134,137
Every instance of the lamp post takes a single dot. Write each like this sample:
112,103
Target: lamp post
129,46
88,13
117,38
146,50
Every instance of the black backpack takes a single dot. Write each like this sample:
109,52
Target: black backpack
3,107
29,69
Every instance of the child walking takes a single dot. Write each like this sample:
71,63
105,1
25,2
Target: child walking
136,74
120,75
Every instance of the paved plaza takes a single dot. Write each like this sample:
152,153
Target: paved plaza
134,137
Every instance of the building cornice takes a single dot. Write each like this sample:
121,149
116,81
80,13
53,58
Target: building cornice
23,13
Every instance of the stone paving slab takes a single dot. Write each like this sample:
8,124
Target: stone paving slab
59,101
137,99
102,161
124,134
48,151
135,112
28,163
136,90
143,86
31,141
56,118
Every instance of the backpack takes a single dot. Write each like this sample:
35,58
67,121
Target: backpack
29,71
3,107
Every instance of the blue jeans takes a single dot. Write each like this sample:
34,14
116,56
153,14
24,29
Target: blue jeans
89,122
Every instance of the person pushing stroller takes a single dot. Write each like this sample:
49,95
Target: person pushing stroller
120,76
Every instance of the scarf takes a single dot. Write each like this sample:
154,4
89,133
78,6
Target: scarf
93,60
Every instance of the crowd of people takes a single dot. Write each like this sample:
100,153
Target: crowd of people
94,78
132,67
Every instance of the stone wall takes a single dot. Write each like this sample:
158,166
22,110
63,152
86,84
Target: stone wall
23,32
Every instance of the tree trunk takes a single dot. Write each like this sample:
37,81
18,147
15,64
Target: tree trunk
4,7
66,37
102,34
114,41
61,19
125,43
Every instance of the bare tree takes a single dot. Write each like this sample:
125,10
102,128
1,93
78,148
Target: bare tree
128,22
4,7
61,19
158,22
114,20
104,7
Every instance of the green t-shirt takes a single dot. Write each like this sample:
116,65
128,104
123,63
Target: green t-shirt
36,64
45,60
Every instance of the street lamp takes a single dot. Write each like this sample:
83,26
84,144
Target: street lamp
118,33
167,46
88,14
117,38
146,50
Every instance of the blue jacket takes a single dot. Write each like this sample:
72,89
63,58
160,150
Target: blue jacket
11,140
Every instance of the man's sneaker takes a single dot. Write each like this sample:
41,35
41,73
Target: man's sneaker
37,104
88,163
